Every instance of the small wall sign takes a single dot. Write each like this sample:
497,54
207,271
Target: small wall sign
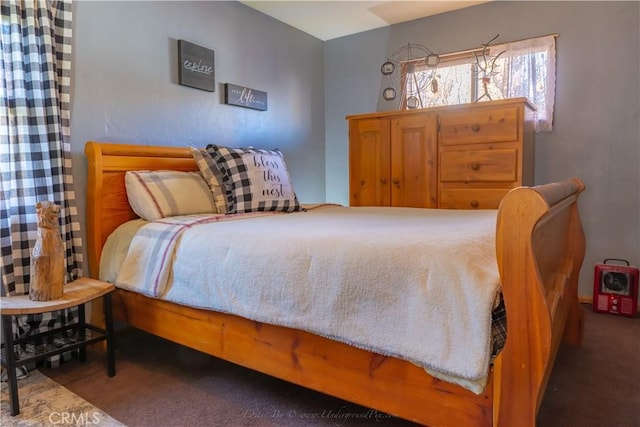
196,66
245,97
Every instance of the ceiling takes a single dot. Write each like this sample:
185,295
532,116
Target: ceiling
330,19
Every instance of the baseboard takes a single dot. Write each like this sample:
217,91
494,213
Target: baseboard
585,300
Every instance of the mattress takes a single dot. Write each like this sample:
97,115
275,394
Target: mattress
356,275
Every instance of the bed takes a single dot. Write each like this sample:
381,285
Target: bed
540,248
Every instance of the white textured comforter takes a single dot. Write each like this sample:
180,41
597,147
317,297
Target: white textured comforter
417,284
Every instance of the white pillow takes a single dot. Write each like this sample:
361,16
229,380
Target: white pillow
159,194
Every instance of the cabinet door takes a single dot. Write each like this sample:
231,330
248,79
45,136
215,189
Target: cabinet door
369,162
413,161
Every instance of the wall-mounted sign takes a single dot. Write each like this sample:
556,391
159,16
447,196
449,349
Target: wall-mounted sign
196,66
245,97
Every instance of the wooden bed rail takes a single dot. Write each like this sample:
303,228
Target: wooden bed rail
549,237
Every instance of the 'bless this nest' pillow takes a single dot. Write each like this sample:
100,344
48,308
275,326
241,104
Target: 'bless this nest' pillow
254,179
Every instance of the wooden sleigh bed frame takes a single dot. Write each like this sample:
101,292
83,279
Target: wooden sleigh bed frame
540,249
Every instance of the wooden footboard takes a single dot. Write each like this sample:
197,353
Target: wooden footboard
540,248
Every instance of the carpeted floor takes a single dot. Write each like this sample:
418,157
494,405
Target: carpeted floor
160,383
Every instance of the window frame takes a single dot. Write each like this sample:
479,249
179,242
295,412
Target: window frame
448,59
521,48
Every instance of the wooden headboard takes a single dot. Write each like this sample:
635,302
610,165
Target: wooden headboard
107,204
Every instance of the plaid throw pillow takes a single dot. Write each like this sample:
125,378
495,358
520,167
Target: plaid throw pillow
160,194
254,179
211,174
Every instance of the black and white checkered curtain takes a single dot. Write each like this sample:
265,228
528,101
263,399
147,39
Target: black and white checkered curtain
35,151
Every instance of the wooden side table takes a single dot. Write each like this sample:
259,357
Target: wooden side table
76,294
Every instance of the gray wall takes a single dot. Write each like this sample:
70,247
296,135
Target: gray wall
124,89
596,134
125,83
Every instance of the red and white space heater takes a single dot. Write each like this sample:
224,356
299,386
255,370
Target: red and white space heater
615,288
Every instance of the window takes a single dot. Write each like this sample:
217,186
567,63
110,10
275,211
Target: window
520,69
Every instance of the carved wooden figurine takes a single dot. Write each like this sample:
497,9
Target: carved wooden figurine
47,257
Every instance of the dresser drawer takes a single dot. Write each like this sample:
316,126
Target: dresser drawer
472,198
479,165
481,126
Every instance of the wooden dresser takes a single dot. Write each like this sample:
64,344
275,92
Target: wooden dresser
461,157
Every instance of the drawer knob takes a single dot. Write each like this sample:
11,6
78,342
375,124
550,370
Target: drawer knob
475,128
383,181
475,166
474,204
396,182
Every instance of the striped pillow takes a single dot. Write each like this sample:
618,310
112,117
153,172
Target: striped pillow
159,194
254,179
